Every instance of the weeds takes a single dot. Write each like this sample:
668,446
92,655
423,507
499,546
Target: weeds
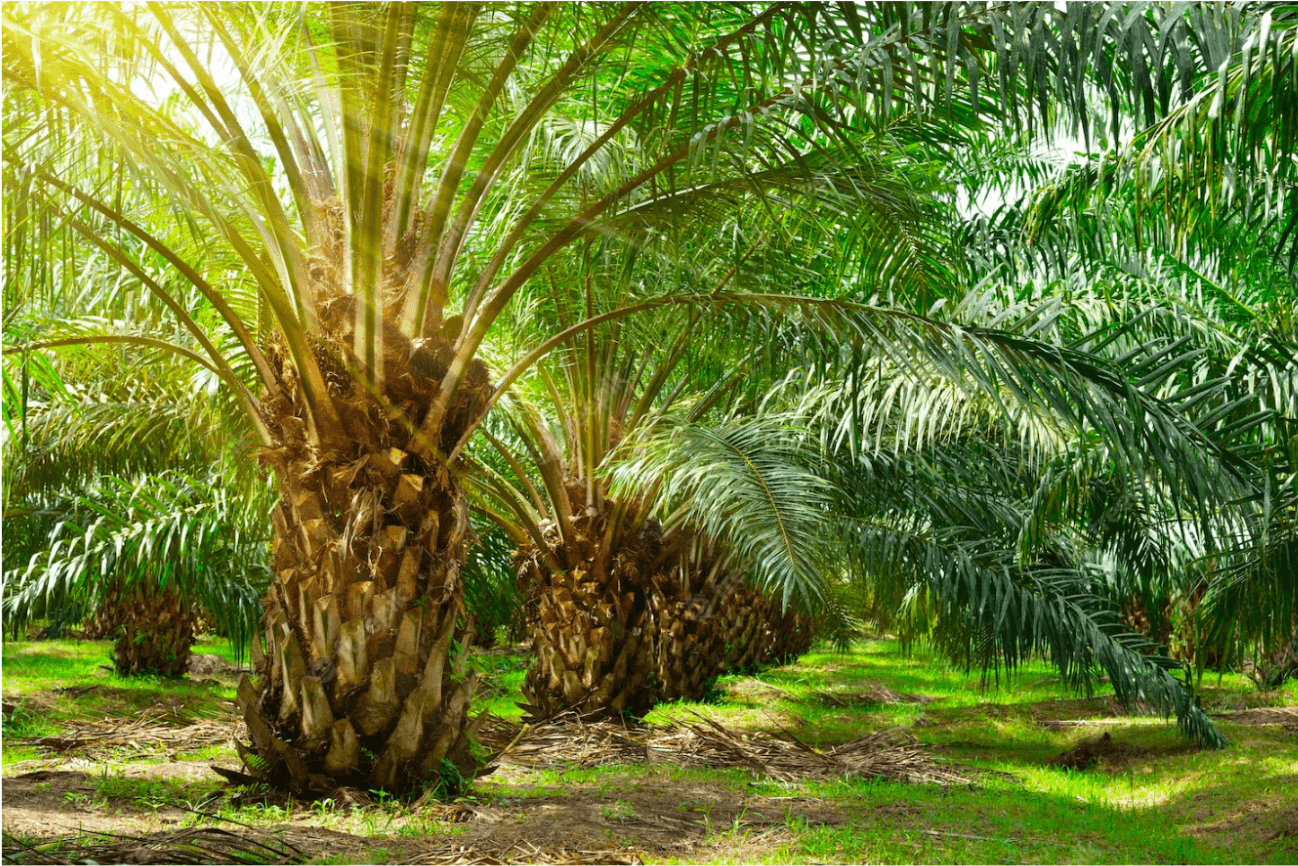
620,811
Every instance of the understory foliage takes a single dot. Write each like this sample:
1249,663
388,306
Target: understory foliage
167,545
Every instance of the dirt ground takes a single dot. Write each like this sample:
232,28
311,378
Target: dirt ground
658,816
515,813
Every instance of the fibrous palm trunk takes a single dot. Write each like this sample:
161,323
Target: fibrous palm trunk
362,680
105,621
1155,625
691,650
1275,660
588,617
153,627
617,624
758,630
791,634
1174,628
1273,667
690,647
108,618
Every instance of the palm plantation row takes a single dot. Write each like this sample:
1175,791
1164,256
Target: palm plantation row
695,321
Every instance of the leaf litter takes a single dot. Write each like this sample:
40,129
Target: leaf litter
192,845
569,739
152,729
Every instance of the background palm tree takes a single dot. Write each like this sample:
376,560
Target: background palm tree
1186,230
157,553
131,502
621,610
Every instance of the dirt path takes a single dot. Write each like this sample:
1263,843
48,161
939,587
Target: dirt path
663,817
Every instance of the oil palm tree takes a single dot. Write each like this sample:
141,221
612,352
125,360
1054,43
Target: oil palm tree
622,610
1190,222
156,551
944,506
346,304
120,504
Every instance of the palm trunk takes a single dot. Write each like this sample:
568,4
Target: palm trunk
154,629
1188,639
789,634
107,619
1275,660
691,649
363,680
758,631
614,632
1155,625
590,625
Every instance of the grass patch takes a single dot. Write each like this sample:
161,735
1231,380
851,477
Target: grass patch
1204,803
502,685
148,793
54,683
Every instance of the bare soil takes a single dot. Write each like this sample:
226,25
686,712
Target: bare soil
206,665
656,816
49,803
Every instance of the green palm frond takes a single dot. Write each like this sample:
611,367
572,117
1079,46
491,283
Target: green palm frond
168,530
747,483
718,98
1016,614
491,591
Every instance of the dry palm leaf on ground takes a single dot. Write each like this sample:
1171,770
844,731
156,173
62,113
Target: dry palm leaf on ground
194,845
454,852
1109,754
150,730
871,693
565,739
568,739
1087,754
1286,716
891,754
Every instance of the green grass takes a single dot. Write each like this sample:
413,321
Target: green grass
55,682
1048,815
30,666
502,683
799,693
115,792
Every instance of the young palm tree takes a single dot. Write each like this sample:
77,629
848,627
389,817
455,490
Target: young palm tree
155,551
622,611
345,303
119,502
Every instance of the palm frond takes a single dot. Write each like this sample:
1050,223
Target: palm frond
747,484
168,530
